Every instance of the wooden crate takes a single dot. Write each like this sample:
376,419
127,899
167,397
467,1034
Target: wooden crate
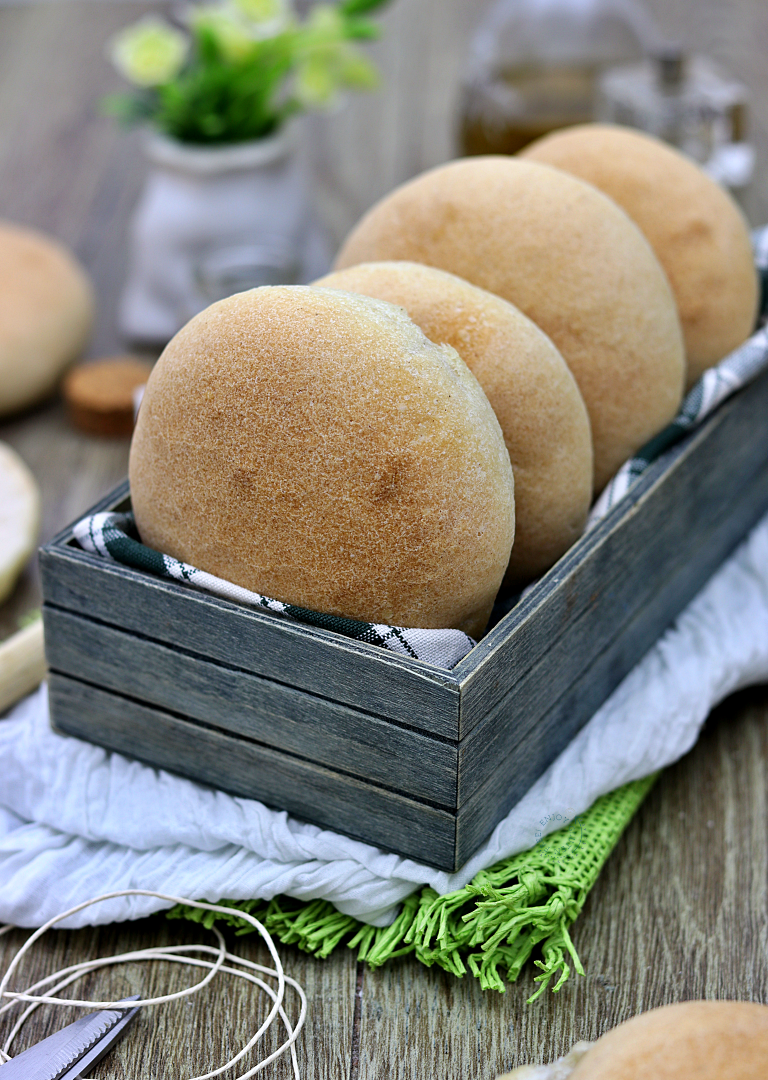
401,754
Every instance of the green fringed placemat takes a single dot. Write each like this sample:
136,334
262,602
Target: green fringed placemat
490,927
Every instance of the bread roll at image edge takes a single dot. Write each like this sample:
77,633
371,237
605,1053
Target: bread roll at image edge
316,447
46,314
697,230
534,395
692,1040
570,259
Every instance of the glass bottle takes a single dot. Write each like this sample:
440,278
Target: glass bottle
534,67
686,101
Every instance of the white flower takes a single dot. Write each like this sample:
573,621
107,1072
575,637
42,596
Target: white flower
330,62
238,24
266,18
150,52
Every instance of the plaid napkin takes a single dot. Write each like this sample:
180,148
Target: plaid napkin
115,535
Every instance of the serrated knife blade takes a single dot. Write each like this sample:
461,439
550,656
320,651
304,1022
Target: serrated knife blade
67,1053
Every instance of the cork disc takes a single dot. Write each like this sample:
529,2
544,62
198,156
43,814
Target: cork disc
100,394
316,447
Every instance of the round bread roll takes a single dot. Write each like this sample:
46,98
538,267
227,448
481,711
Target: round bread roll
570,259
316,447
694,1040
698,232
19,518
46,313
535,398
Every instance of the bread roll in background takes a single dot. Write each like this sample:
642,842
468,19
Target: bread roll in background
693,1040
46,314
19,518
699,234
535,398
316,447
570,259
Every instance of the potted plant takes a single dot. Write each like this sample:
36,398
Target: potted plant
225,205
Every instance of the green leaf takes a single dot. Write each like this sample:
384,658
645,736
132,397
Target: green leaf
360,7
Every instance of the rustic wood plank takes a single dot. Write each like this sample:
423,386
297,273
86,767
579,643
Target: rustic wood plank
286,719
241,767
190,1036
576,609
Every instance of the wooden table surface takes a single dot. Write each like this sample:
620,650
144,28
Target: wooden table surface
681,909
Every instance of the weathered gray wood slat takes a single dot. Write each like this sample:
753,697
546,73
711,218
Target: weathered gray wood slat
543,741
527,723
364,676
245,768
605,576
287,719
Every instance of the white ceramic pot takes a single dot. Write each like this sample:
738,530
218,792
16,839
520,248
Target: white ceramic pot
214,221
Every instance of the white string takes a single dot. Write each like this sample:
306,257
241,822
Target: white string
171,954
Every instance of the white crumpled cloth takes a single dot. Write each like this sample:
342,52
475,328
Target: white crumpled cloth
76,821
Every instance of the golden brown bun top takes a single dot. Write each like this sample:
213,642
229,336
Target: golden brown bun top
570,259
314,446
698,232
534,396
46,312
693,1040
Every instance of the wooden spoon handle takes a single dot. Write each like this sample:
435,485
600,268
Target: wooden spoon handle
22,663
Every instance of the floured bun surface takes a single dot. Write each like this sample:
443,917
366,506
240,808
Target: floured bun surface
570,259
46,313
694,1040
699,234
535,397
316,447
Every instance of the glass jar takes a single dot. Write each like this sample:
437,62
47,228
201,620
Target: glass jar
534,66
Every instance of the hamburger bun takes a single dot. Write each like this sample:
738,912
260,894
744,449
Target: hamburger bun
693,1040
535,398
46,314
316,447
566,256
698,232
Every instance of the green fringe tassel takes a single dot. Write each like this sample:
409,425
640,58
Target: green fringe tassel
489,928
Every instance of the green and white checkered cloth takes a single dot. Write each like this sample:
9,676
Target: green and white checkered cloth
115,536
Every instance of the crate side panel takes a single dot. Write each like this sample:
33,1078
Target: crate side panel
365,677
270,713
528,703
544,741
606,577
244,768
